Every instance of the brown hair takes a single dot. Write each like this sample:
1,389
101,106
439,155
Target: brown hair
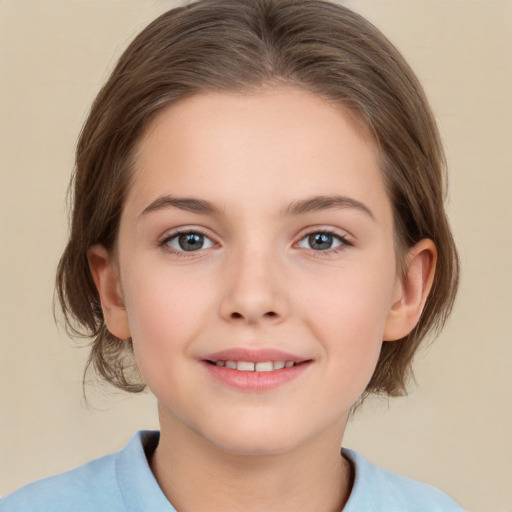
234,45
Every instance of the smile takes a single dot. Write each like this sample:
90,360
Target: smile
260,366
251,370
255,371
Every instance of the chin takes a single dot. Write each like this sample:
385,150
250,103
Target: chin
258,440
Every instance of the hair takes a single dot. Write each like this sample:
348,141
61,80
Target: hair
242,45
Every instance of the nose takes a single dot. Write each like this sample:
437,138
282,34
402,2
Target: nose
253,290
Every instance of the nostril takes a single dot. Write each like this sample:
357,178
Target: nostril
268,314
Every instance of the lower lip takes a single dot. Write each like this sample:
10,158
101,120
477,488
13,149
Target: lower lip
255,382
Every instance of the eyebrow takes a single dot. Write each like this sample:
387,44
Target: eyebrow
318,203
189,204
299,207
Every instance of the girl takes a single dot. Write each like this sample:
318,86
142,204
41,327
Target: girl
258,237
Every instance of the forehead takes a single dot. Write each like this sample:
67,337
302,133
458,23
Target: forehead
275,144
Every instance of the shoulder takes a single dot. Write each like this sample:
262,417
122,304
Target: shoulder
104,484
377,489
80,489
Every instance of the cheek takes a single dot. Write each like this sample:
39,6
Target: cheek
348,318
166,309
165,317
352,300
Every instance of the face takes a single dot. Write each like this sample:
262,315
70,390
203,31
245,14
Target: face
257,234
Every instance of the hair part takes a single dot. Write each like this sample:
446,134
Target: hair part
242,45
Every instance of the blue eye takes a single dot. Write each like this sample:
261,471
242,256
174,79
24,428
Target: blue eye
322,241
188,242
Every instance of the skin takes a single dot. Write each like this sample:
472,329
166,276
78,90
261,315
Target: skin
257,283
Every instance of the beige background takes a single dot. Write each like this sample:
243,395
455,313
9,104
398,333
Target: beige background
453,430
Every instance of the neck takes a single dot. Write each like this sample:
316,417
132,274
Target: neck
196,475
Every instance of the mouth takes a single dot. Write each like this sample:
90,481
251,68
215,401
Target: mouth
255,371
256,366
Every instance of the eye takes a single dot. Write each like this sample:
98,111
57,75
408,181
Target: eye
188,242
322,241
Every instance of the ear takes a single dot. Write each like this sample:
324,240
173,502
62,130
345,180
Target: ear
411,290
105,274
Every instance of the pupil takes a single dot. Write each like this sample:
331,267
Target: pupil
191,241
320,241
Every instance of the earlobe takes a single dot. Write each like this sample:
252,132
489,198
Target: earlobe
105,274
411,291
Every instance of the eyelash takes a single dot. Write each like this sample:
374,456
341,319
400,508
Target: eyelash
344,243
176,234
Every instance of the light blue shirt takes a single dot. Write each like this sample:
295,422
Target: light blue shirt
123,482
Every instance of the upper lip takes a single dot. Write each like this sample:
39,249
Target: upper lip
254,355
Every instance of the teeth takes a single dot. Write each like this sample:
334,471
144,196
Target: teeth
244,366
248,366
264,367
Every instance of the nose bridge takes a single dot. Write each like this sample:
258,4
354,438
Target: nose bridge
253,289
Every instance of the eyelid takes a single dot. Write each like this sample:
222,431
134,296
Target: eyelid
337,232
